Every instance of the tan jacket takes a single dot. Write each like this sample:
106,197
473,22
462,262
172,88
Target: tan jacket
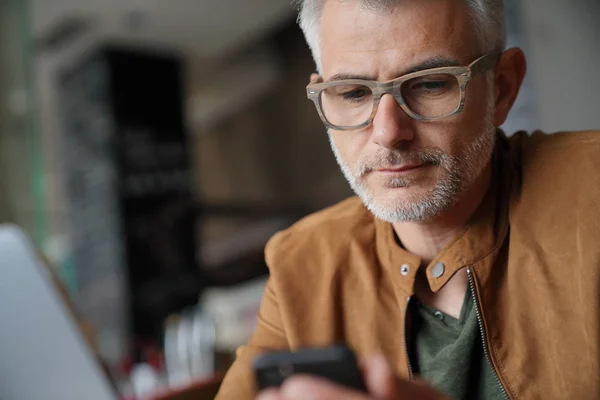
533,255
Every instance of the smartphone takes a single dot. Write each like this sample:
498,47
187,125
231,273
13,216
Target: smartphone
337,364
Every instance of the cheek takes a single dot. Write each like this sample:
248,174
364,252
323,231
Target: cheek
479,105
453,135
445,135
351,146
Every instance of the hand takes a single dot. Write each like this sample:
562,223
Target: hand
379,379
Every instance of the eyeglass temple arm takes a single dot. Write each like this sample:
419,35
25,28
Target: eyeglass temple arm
484,63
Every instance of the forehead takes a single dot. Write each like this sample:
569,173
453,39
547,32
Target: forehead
383,43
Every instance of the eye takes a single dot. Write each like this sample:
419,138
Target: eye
356,94
430,86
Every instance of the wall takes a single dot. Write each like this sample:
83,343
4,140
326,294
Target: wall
563,42
272,153
275,150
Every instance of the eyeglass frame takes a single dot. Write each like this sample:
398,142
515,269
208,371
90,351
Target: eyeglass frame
463,74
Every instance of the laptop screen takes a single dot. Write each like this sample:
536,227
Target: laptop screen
43,355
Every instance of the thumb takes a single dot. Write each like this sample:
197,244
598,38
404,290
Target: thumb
379,378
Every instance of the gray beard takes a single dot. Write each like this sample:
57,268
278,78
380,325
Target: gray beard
458,174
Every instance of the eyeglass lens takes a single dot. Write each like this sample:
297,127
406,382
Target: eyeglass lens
429,96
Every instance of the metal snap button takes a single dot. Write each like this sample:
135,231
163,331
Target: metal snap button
439,315
438,270
405,269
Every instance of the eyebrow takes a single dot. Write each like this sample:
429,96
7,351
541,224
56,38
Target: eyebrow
436,62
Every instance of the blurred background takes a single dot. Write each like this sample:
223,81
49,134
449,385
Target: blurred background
152,147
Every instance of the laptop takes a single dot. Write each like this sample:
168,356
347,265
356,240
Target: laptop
43,355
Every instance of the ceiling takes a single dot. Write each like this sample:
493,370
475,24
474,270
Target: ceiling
204,28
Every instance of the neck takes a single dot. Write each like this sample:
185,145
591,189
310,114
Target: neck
428,239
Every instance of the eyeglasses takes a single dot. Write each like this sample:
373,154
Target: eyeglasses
426,95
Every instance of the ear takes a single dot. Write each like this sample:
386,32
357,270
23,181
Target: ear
313,77
509,74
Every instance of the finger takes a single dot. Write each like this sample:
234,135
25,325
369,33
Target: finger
269,394
379,378
313,388
383,384
419,389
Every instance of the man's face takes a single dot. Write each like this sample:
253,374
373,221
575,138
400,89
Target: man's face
403,169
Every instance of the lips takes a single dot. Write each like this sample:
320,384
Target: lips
400,169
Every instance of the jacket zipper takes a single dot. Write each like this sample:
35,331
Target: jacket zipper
483,338
410,370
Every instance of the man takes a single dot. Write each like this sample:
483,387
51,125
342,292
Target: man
469,260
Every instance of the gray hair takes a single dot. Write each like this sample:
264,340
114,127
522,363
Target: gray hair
488,16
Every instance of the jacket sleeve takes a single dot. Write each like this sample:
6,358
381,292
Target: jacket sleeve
269,335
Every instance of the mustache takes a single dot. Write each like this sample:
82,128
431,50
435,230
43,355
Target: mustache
384,159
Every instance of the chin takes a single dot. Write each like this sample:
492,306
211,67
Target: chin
401,196
409,204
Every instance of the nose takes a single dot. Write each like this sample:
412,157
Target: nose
391,124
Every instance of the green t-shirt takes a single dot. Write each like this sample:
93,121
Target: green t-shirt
449,353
